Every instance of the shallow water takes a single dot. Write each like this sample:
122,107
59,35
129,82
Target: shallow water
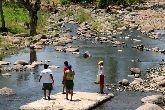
117,66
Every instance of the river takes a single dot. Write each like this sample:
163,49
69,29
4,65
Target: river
117,64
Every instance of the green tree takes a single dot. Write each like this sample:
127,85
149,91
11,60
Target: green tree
33,8
3,28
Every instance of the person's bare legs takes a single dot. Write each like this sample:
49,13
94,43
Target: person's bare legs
49,92
67,91
101,89
63,90
45,94
71,93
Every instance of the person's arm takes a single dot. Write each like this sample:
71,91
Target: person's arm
40,78
51,76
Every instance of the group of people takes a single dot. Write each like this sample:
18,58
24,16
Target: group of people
48,81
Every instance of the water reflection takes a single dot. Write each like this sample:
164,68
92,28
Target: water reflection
33,56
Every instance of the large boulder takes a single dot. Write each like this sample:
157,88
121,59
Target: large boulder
125,82
149,106
21,62
154,99
7,91
135,70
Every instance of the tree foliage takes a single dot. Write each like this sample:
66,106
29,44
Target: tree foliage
33,7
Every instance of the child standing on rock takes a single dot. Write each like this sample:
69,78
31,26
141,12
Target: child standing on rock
101,76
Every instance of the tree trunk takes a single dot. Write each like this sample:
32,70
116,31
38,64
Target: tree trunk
2,18
33,22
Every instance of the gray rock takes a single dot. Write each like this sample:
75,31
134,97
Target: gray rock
21,62
135,70
7,91
72,49
154,99
6,74
4,63
149,106
125,82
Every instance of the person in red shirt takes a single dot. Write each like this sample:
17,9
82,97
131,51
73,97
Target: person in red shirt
64,80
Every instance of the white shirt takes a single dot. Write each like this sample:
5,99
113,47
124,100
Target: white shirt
46,76
101,70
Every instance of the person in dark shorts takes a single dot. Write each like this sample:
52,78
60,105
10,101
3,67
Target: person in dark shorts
69,76
47,79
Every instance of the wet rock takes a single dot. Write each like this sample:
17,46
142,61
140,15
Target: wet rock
162,51
4,63
155,49
60,48
7,91
21,62
125,82
72,49
86,54
139,47
154,99
135,70
6,74
149,106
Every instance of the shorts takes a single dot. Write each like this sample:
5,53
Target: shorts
47,86
69,84
101,79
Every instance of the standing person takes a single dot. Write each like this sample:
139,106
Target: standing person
64,80
101,76
47,79
69,75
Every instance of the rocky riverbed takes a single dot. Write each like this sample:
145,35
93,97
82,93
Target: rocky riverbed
103,28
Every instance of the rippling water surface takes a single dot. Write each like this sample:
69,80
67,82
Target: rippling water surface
117,66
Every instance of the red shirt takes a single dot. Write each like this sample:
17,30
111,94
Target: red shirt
65,68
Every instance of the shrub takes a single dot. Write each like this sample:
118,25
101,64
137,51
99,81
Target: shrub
102,3
65,2
82,16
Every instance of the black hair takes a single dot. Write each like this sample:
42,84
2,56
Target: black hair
46,66
66,63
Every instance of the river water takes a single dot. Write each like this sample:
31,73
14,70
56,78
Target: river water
117,64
